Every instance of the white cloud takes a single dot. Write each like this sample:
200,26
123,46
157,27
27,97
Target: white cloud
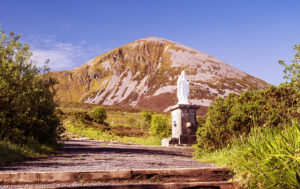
58,59
63,56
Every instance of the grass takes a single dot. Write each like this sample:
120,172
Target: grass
126,119
125,125
10,152
70,106
268,158
90,131
122,124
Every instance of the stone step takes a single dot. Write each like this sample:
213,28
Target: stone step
200,185
119,176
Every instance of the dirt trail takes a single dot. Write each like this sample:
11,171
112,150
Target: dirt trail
93,155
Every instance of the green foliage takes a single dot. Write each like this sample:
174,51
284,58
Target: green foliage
26,102
292,76
215,125
267,158
8,152
159,126
271,157
88,130
82,116
257,132
200,120
236,115
146,117
121,127
99,114
16,152
292,71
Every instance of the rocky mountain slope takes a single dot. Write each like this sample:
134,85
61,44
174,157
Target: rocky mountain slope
144,73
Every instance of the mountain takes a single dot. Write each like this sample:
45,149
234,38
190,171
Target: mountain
144,74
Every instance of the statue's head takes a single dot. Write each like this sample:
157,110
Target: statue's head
183,73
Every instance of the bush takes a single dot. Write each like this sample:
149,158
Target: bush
27,108
159,126
257,132
146,117
266,158
200,121
99,114
236,115
82,116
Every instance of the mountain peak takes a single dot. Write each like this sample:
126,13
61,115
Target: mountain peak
166,41
143,74
157,39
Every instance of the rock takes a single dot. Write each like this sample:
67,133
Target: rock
169,142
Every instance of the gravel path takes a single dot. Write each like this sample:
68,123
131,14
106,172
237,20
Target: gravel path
93,155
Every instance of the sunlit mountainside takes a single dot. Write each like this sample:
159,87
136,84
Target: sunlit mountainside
144,73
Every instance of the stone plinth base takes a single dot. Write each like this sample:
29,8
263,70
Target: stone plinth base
187,139
183,140
184,125
169,142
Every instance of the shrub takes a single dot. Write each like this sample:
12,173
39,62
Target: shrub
159,126
236,115
146,117
99,114
82,116
212,133
266,158
200,120
27,108
258,133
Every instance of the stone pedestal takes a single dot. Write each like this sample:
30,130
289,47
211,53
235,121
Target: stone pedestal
184,125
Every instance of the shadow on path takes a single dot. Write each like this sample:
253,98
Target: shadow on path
101,155
88,149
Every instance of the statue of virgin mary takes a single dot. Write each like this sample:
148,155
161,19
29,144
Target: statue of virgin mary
183,89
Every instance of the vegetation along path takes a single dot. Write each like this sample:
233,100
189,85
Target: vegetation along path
79,155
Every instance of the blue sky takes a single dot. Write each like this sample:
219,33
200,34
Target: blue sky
251,35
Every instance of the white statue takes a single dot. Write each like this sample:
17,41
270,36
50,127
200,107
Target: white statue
183,89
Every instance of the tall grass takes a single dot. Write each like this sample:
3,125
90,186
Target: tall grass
272,158
266,159
10,152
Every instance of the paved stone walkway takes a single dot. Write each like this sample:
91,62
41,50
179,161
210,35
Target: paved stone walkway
93,155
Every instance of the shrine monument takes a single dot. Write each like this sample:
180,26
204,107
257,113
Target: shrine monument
184,123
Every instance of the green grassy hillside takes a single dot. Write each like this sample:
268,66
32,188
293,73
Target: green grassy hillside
122,124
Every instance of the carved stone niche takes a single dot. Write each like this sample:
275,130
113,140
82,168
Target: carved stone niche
184,125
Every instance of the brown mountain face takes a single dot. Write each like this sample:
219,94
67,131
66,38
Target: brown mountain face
144,73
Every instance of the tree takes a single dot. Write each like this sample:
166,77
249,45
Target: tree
292,71
26,102
292,76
